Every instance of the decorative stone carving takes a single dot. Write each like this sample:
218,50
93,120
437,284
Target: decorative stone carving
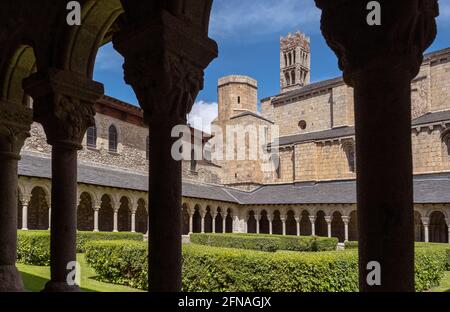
15,123
63,104
410,24
167,79
164,64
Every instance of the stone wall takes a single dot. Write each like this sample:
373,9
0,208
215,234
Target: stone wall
131,150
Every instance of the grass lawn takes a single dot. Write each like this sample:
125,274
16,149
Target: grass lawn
445,284
34,278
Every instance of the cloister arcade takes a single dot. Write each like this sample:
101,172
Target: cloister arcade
119,210
166,47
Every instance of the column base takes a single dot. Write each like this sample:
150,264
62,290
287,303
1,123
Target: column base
60,287
10,279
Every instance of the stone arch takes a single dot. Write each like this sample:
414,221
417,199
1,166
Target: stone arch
229,222
338,226
291,224
264,227
445,136
197,219
277,225
21,65
184,219
305,224
141,216
208,220
353,226
419,232
106,214
38,209
438,228
219,220
85,213
124,215
81,43
251,222
321,224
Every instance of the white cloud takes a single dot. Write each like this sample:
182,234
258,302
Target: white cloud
231,18
202,115
108,59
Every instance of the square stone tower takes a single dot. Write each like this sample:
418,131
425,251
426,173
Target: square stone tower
237,94
295,61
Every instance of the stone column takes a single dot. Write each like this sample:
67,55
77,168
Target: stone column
224,224
297,221
346,220
379,62
115,219
328,220
25,200
214,216
96,210
258,219
426,229
270,218
312,219
283,222
15,121
448,226
202,222
191,221
64,105
165,56
49,217
133,221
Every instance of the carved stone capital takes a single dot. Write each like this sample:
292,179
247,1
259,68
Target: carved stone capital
64,103
407,28
15,124
164,63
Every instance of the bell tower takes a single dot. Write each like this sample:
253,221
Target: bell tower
295,61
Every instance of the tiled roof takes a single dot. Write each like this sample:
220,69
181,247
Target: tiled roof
433,188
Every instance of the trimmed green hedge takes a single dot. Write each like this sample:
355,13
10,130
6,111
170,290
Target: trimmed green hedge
351,245
119,262
33,247
264,242
213,269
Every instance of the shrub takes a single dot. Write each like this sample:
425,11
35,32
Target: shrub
119,262
213,269
264,242
209,269
351,245
84,237
270,244
430,264
33,247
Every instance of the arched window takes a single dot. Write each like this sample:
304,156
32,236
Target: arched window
350,153
290,59
112,135
147,148
293,77
239,100
447,144
91,137
288,79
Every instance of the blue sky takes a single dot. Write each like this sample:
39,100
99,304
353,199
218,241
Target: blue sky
248,34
